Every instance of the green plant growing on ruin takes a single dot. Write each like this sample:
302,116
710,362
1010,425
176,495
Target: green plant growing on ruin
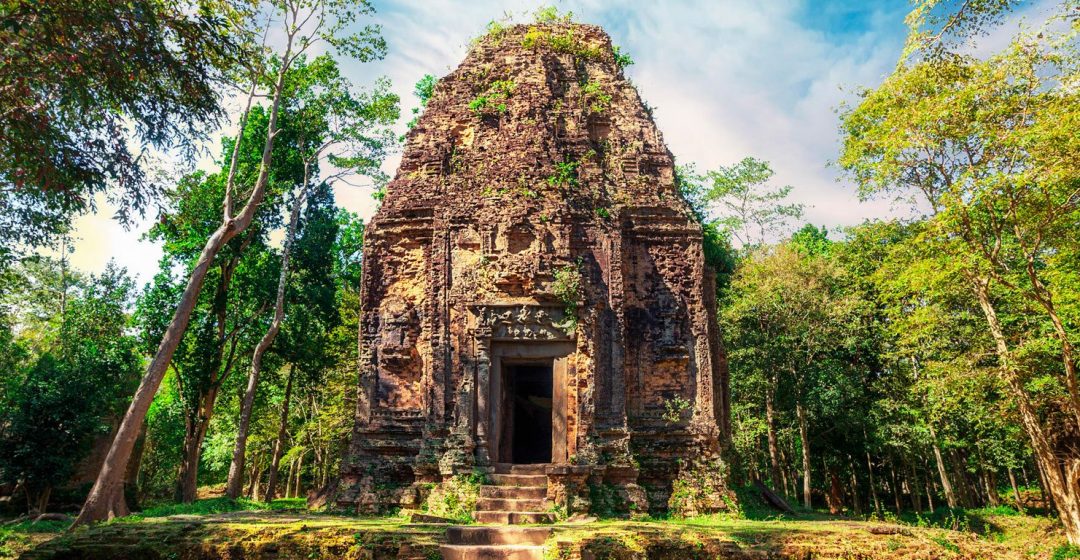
594,97
550,14
567,288
603,212
496,30
493,99
674,409
455,498
622,60
565,174
702,486
565,42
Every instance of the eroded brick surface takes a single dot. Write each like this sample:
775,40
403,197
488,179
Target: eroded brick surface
535,163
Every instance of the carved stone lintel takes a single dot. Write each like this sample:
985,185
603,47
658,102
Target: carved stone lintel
521,323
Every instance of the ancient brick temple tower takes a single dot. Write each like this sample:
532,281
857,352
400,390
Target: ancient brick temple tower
534,289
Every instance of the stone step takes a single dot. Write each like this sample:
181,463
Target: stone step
497,535
514,517
507,468
513,492
511,504
491,552
527,480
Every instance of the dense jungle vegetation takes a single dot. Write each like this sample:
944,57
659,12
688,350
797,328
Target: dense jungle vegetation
914,368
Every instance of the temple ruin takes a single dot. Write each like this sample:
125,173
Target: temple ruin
535,302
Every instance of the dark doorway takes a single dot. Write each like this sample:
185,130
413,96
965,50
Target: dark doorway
530,397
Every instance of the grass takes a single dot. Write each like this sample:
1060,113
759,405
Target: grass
20,537
284,529
213,506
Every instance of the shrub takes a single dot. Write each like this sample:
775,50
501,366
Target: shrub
622,60
565,174
567,287
596,99
455,498
493,99
702,488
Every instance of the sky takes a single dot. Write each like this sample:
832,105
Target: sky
727,79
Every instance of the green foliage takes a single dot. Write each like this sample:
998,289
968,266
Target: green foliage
594,97
622,59
559,41
493,99
1065,552
81,74
751,210
423,90
213,506
565,175
455,498
945,543
674,409
550,14
567,288
702,486
73,388
603,213
605,502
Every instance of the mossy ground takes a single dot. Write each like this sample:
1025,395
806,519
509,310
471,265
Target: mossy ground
219,529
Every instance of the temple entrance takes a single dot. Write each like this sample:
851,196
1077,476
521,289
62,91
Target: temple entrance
529,400
526,403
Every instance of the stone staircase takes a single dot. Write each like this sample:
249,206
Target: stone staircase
495,543
517,496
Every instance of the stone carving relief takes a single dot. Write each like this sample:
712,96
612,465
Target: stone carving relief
399,362
523,322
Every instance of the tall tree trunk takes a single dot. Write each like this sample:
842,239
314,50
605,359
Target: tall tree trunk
106,498
960,482
131,474
194,434
299,475
873,487
929,494
236,468
1042,295
786,474
1016,491
253,476
946,486
37,498
774,446
855,505
800,411
894,481
913,485
279,445
1063,484
836,493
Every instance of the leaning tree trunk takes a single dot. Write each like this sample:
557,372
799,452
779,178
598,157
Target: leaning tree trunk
1016,491
1063,484
106,498
946,486
236,469
279,445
